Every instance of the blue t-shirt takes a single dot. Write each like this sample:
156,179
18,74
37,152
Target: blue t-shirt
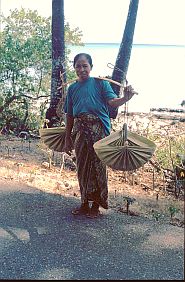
91,97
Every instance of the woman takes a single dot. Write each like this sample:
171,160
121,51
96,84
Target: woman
86,109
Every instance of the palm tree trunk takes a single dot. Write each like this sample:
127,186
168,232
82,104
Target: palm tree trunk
124,53
58,57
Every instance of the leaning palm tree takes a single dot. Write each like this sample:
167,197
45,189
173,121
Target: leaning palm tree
124,53
58,58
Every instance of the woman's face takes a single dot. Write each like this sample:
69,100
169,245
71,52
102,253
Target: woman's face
82,68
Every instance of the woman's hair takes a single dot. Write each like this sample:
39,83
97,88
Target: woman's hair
88,57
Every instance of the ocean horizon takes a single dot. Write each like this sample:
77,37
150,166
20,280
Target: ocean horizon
135,44
156,72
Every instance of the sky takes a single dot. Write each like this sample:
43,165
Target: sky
158,21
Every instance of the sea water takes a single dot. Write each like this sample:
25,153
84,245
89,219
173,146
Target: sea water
156,72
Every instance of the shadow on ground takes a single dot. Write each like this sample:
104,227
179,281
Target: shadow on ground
41,239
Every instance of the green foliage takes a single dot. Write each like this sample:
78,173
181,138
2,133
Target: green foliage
25,69
173,210
167,152
72,36
156,214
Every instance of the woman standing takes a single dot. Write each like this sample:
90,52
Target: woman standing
87,114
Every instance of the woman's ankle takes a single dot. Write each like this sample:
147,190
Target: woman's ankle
85,205
95,206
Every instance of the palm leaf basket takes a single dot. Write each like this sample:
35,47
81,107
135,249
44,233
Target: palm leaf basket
124,150
53,138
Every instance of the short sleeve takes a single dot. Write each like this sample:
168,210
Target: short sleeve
108,91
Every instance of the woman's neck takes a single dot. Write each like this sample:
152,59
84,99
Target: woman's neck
83,80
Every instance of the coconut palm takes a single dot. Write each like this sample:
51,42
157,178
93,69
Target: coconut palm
58,57
124,53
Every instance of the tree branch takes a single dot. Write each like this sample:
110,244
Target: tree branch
29,97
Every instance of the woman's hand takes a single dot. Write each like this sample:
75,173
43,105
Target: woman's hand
129,93
68,146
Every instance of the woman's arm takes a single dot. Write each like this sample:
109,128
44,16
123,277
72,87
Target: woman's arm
68,141
128,94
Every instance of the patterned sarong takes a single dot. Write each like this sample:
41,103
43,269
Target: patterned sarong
92,174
